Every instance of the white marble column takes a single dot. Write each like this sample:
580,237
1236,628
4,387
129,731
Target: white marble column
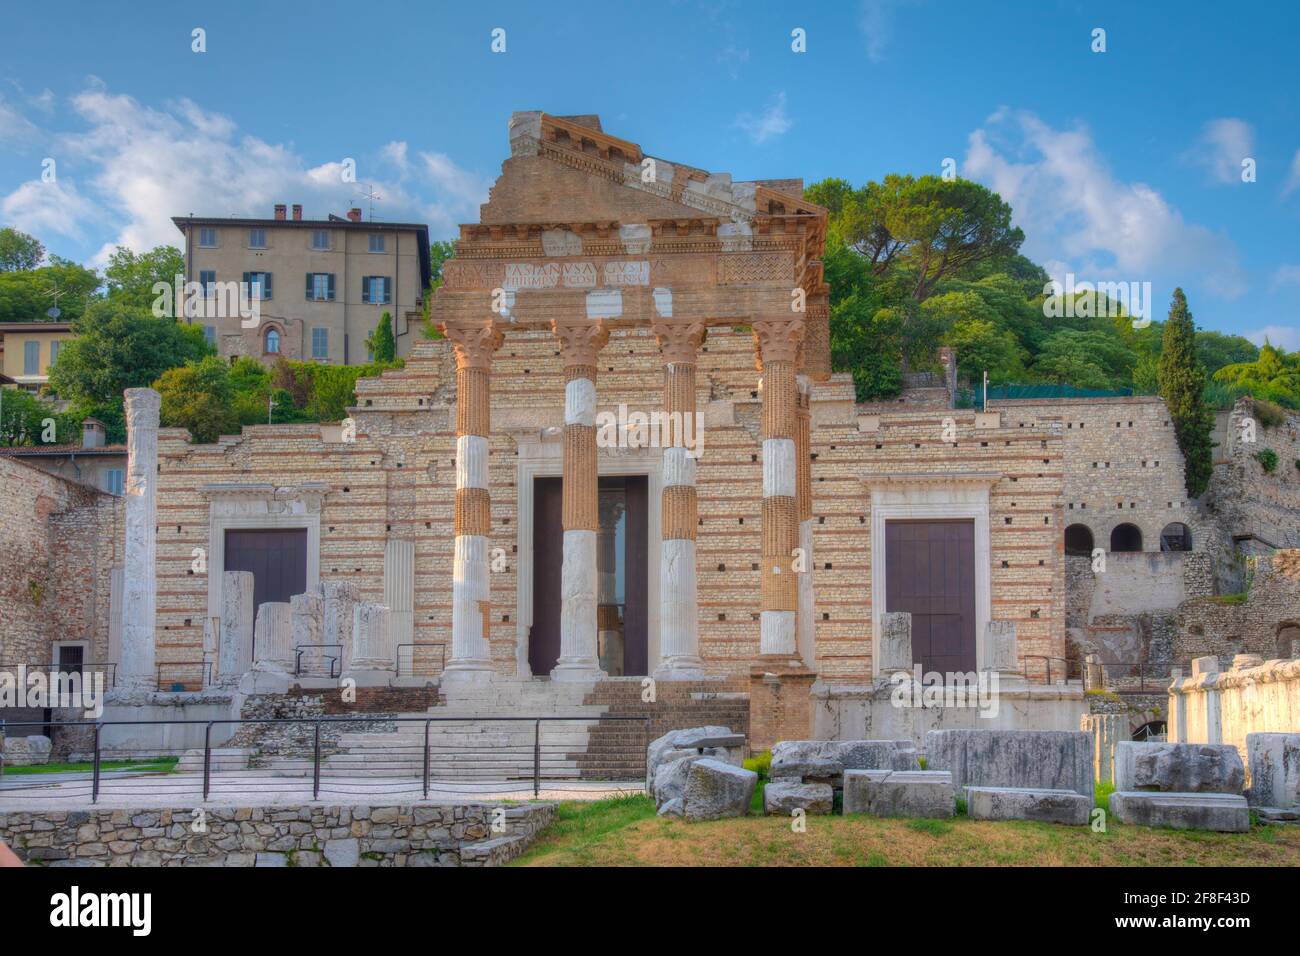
399,587
610,636
139,574
372,638
339,597
273,636
235,643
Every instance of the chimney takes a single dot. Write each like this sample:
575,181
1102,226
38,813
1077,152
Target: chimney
279,210
354,214
297,212
92,433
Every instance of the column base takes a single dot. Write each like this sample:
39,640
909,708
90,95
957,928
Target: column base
780,700
681,667
579,669
468,673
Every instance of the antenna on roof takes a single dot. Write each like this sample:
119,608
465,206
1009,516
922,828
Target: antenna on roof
53,311
368,192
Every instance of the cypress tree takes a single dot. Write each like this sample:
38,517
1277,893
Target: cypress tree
381,343
1182,386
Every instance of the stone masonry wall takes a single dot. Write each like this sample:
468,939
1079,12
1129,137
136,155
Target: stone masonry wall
58,543
405,835
398,479
1249,502
1265,621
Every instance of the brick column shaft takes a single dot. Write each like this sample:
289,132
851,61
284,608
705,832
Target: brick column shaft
807,629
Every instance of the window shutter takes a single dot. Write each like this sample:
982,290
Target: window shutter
267,291
330,294
365,288
247,280
310,285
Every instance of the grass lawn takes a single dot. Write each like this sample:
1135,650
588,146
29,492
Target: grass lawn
160,765
624,831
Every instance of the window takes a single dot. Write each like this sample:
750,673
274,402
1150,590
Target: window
1126,537
320,239
210,335
113,481
208,237
376,242
1176,536
31,358
320,343
259,284
54,350
320,286
71,657
257,238
208,279
376,290
1078,540
272,342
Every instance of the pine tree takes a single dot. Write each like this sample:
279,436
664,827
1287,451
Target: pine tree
1182,385
381,343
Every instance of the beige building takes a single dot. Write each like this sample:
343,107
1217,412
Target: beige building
29,349
93,462
322,283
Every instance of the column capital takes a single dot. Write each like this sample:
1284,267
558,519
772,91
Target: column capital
580,339
777,340
680,339
474,342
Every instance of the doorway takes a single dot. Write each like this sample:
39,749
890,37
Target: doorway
622,575
930,573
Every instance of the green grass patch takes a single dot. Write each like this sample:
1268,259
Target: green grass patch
1101,794
579,827
160,765
932,827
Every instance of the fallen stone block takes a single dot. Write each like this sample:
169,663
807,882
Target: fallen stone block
670,778
690,739
899,793
26,751
1178,768
715,789
824,761
1278,814
1045,806
785,796
1274,761
1225,812
1018,759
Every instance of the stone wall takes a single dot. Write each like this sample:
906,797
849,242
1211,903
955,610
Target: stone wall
1264,620
1222,707
59,541
397,479
405,835
1260,509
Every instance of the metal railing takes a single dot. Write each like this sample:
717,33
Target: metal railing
1150,677
316,723
328,665
109,669
412,666
185,683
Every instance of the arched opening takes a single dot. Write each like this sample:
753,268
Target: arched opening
1152,730
1288,639
272,342
1126,537
1176,536
1078,540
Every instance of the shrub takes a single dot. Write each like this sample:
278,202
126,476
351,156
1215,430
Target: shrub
1267,459
1269,414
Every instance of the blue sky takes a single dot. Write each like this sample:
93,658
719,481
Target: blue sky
1122,165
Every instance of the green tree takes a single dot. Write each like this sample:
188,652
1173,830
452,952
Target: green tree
982,347
118,347
1215,350
198,396
380,342
27,296
1182,385
19,252
23,418
1274,376
130,277
1082,359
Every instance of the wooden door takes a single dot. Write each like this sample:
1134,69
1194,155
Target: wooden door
930,573
636,581
548,560
277,557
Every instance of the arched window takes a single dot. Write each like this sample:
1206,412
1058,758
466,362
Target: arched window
1078,540
1154,730
272,342
1126,537
1176,536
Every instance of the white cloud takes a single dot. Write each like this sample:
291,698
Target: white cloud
773,121
1283,336
1286,275
1293,176
1075,211
1221,147
137,166
16,130
876,21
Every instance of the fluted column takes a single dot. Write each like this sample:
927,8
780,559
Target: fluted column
778,343
807,634
474,344
139,576
580,342
679,642
609,634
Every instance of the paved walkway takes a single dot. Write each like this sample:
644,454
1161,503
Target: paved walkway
250,788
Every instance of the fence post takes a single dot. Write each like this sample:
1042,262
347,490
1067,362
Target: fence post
207,758
94,788
315,779
537,757
426,760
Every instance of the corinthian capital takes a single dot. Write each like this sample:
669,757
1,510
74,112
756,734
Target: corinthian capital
778,340
474,342
680,339
580,339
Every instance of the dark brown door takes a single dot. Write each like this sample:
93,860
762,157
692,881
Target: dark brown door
636,582
930,573
276,557
548,558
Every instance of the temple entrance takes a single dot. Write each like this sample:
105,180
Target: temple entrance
277,559
622,545
930,573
